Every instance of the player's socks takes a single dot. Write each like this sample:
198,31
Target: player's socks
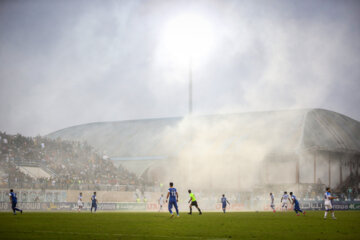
325,214
21,211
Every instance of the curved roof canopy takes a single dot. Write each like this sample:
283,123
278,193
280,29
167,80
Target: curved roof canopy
292,130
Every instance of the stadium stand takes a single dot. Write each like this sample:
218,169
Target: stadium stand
54,164
34,172
319,148
310,148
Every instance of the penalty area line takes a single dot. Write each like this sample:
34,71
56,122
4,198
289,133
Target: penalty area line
129,235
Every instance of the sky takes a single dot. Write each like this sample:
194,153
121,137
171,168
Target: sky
70,62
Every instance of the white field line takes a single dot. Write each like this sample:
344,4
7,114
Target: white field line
129,235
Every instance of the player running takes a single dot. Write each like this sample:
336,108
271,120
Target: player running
272,205
80,202
174,198
223,202
284,199
328,203
161,202
94,202
193,203
297,205
13,201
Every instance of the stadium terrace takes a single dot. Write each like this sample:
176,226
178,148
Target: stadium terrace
259,152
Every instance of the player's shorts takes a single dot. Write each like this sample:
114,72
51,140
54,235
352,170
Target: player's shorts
194,203
224,205
328,206
80,204
284,204
272,205
172,203
13,205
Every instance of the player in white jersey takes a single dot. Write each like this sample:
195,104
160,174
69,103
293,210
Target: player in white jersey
80,202
272,205
284,201
161,202
328,203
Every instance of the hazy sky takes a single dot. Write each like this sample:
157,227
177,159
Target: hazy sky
64,63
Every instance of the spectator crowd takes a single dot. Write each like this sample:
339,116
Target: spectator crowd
74,165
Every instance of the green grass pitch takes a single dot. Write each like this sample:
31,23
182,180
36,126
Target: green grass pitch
232,225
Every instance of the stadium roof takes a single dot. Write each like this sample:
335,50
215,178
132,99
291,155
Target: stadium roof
306,129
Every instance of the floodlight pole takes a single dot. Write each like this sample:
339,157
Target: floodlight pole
190,86
189,168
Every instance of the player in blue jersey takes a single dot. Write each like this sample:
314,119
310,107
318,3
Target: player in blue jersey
13,201
93,202
296,204
173,199
223,203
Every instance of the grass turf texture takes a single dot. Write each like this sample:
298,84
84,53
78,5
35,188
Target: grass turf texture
232,225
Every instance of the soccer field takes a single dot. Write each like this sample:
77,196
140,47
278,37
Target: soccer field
233,225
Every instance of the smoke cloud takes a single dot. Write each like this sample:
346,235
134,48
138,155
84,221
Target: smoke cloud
72,62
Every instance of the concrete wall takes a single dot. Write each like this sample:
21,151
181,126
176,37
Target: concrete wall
282,170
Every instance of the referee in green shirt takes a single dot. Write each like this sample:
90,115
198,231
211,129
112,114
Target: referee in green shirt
193,203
